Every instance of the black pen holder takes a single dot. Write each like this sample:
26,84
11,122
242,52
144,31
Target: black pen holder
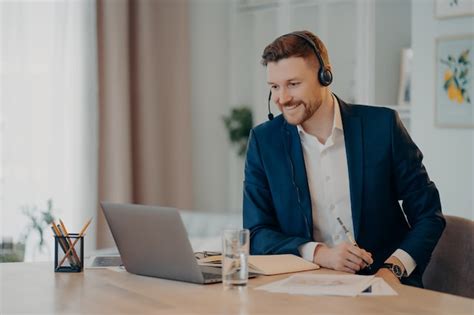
69,253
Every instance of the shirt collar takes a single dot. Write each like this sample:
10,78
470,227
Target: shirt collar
337,115
337,120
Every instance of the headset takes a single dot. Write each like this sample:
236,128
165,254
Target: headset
324,74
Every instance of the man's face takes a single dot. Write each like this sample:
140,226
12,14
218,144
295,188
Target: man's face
295,88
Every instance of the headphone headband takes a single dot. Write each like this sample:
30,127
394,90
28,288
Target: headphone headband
324,74
313,46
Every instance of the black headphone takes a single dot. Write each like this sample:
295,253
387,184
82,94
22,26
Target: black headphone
324,74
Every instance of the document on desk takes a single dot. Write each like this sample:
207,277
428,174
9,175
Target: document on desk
378,287
326,284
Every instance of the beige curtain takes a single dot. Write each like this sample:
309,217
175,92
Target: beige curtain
144,115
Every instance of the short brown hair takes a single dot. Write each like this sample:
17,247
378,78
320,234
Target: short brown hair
288,45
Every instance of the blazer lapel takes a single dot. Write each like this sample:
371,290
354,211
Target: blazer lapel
294,154
354,152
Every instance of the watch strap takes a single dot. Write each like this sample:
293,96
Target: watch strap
395,269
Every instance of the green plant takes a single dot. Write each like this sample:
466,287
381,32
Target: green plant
38,221
238,124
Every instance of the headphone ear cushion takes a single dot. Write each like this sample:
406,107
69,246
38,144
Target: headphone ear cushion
325,76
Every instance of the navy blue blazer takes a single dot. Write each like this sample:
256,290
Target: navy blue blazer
384,166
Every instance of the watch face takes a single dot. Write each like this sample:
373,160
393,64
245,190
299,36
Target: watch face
397,271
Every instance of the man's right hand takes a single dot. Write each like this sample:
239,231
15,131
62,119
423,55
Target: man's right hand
343,257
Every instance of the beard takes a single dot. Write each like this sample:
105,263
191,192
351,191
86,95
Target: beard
297,112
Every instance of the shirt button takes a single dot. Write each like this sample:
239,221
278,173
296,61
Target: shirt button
328,178
337,237
332,207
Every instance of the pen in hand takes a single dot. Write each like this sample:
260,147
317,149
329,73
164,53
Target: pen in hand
351,239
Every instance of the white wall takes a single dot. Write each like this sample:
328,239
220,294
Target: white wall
209,31
241,87
449,153
392,33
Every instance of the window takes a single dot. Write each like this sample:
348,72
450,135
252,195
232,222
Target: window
48,93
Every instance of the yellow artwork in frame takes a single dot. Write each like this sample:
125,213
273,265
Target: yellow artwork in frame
454,81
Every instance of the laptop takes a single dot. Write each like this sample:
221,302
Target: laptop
153,241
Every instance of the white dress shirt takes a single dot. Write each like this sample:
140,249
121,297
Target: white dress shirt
328,181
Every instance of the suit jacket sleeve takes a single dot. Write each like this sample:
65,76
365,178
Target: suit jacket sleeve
421,201
259,214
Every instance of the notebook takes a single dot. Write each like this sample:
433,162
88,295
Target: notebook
268,264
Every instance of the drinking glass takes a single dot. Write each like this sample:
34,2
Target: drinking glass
235,251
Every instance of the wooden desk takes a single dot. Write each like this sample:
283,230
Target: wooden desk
35,288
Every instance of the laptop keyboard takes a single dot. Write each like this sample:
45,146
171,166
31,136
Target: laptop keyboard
106,261
211,276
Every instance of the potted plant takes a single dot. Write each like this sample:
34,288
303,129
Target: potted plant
238,124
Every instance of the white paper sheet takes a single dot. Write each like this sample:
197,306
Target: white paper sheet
378,286
342,285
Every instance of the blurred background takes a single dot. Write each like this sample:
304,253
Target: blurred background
150,101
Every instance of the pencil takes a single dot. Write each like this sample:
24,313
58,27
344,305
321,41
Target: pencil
83,230
62,242
63,226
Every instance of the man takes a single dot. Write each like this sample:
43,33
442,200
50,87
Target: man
325,171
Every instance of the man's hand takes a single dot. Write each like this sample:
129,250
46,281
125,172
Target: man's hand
388,276
343,257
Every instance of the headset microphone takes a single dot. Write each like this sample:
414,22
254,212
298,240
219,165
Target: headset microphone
270,115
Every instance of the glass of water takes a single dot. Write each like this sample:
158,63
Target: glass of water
235,251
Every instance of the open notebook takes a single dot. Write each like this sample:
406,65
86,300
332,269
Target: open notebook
267,264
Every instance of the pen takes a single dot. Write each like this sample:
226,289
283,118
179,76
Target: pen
351,239
346,231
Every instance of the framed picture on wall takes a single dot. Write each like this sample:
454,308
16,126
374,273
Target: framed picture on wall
454,90
445,9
